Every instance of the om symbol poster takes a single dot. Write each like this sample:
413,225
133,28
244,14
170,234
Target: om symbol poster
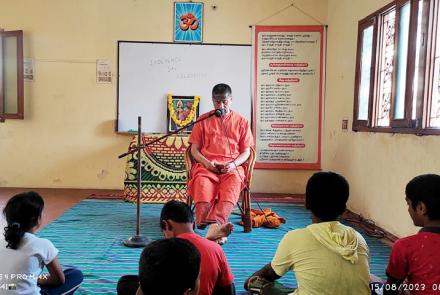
288,96
188,22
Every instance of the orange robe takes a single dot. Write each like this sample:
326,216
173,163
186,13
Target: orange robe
210,135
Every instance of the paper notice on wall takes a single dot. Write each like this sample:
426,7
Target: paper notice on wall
28,69
103,71
288,96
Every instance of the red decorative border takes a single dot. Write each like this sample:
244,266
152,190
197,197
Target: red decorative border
320,29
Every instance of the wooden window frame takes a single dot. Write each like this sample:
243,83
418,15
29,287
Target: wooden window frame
2,91
20,77
406,121
407,124
357,123
425,107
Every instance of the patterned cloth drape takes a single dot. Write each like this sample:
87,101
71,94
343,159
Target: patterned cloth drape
163,170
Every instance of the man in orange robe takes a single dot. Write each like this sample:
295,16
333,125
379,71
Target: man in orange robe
219,145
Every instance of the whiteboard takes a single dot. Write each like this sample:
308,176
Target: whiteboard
148,72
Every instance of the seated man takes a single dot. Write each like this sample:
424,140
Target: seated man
219,146
327,257
167,267
177,220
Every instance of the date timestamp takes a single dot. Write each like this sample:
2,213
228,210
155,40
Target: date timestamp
402,287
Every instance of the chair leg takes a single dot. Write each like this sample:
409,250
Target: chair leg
246,217
240,207
189,201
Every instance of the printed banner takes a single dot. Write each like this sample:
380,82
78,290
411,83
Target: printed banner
288,74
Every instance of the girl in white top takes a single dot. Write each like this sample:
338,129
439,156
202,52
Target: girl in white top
25,255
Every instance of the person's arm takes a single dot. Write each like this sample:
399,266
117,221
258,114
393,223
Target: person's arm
398,267
225,281
266,273
56,274
197,155
224,290
237,162
245,142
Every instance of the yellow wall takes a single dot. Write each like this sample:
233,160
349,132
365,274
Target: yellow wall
378,166
67,137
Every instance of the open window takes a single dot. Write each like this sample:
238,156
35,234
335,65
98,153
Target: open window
397,85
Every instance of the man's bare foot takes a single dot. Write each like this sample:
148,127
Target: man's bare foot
217,231
205,223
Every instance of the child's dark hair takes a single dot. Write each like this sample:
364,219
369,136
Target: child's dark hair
326,195
22,213
222,89
169,258
177,212
425,188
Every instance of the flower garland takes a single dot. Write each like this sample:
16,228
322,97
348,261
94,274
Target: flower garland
190,116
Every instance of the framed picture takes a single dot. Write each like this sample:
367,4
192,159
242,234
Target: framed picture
181,111
188,22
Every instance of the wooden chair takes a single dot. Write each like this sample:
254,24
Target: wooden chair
245,194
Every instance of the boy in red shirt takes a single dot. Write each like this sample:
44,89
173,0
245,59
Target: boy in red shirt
416,259
177,220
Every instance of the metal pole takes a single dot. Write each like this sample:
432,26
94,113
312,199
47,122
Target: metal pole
139,174
137,240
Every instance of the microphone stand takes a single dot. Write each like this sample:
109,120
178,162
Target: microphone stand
137,240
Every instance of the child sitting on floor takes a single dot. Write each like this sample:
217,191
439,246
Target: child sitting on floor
25,255
177,220
416,258
167,267
328,258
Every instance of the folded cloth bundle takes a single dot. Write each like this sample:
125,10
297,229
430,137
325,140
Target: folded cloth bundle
265,218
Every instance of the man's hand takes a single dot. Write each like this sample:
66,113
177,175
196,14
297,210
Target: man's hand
212,166
226,168
266,272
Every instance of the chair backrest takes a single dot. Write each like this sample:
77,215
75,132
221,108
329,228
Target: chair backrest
248,166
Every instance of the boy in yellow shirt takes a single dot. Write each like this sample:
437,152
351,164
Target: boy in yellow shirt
327,257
